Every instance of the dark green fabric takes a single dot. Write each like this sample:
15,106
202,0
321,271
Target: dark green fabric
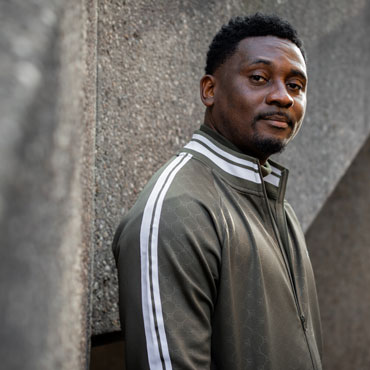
235,277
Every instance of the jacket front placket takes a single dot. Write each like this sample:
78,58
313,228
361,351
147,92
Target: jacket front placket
274,197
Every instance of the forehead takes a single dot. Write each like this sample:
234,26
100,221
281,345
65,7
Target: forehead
270,48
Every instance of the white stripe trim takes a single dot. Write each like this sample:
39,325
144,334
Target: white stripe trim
157,195
275,170
243,173
272,179
225,154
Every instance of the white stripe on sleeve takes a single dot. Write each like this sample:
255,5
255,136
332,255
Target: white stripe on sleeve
150,223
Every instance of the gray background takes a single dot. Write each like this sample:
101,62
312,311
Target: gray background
339,244
95,96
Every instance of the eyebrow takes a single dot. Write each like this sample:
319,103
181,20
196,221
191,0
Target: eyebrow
259,61
293,71
297,72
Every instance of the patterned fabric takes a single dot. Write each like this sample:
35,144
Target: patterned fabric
213,268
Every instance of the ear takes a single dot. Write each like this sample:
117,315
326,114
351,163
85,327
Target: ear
207,87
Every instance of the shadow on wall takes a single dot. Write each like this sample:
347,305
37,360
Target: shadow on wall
339,241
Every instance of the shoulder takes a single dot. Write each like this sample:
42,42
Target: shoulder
180,197
293,223
182,180
290,213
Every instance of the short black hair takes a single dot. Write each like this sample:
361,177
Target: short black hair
226,41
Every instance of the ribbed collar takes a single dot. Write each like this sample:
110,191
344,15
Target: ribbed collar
238,168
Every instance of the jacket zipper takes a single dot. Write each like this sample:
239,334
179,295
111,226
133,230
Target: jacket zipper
302,317
288,269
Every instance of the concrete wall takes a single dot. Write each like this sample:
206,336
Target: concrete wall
95,96
151,56
339,241
47,101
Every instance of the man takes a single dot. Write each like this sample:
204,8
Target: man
213,267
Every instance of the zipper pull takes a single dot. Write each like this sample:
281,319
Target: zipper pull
304,322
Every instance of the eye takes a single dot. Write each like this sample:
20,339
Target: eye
258,79
294,86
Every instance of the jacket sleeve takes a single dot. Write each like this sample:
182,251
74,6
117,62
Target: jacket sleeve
168,267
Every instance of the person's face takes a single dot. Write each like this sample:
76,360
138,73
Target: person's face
257,98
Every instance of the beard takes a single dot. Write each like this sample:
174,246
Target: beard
267,145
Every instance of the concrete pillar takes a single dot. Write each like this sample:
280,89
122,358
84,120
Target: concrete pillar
47,127
120,79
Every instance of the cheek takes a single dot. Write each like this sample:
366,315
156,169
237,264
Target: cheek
299,122
300,107
246,104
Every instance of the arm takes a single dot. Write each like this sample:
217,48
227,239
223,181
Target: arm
168,273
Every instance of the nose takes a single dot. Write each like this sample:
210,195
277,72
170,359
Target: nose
279,96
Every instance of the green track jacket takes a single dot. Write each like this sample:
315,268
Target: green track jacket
213,267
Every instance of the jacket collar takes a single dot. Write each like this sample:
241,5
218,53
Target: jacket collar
240,169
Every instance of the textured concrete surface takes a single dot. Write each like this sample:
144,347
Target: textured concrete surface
47,100
339,241
151,57
337,120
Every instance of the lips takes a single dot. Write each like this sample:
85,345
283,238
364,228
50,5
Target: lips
278,121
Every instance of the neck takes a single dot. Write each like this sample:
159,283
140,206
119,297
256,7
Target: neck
209,122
